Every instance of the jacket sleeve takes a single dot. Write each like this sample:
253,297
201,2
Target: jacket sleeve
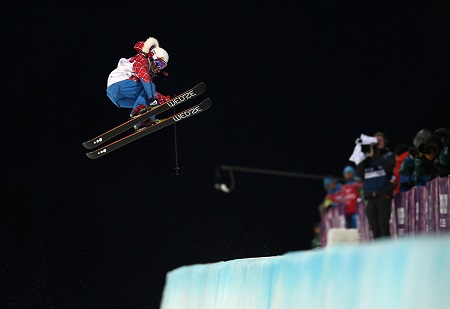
140,68
149,88
361,167
407,167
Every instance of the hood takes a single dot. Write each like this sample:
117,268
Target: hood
143,47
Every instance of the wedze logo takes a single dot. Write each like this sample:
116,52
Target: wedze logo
187,113
181,98
98,140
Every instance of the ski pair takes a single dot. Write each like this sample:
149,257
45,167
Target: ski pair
146,114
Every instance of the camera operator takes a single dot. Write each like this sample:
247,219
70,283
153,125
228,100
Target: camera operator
432,157
408,173
376,169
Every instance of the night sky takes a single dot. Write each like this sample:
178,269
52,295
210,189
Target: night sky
292,88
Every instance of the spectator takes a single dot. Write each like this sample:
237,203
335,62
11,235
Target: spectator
333,195
411,165
376,170
443,163
433,158
411,171
317,239
351,190
401,153
436,151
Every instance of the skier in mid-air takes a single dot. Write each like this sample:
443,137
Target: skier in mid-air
131,84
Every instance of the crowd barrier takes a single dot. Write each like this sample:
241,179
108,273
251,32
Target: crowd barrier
421,210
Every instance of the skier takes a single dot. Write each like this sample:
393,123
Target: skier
131,85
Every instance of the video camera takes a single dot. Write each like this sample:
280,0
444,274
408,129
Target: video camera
413,152
435,141
366,148
367,142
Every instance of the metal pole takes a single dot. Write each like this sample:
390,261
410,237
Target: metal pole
176,146
270,172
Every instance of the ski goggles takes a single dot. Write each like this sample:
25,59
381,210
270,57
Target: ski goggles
159,63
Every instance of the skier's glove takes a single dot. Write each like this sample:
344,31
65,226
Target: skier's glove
153,101
162,98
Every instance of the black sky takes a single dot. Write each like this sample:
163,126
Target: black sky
292,87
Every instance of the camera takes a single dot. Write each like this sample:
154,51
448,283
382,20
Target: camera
426,148
366,148
413,152
366,142
434,143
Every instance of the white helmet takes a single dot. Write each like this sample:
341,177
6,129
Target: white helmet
160,57
160,53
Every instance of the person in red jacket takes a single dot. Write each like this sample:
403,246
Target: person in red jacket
351,191
130,84
401,153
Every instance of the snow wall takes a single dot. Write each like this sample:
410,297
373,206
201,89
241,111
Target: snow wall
407,273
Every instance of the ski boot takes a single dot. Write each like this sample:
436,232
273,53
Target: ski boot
146,123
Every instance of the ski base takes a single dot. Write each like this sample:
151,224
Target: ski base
195,110
144,115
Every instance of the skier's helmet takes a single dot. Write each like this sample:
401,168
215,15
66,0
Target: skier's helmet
159,57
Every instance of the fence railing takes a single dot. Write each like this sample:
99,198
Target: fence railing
421,210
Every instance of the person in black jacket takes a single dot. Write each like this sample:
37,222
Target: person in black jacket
435,155
377,172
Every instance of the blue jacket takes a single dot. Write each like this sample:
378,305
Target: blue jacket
377,173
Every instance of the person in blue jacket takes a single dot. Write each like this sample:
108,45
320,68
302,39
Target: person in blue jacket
376,170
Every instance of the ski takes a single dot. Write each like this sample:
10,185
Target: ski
144,115
204,105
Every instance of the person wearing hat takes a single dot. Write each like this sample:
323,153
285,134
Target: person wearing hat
352,190
333,195
376,170
411,168
435,159
130,84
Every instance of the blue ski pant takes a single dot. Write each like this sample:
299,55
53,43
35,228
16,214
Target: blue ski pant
127,94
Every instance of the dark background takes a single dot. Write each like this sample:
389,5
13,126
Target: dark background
292,87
